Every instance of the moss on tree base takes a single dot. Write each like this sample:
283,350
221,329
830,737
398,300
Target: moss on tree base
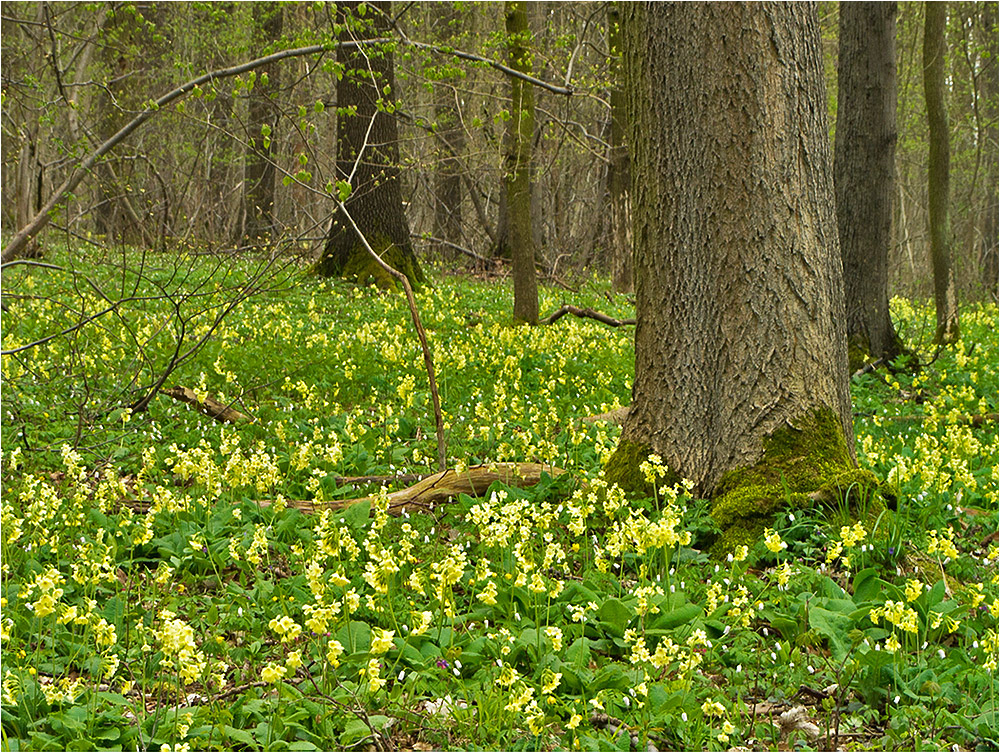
358,264
801,466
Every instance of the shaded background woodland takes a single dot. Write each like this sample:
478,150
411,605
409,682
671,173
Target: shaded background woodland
74,73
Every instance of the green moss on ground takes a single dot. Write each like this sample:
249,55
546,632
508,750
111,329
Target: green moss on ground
801,466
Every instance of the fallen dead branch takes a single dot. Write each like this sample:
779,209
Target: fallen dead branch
585,313
439,488
209,406
616,416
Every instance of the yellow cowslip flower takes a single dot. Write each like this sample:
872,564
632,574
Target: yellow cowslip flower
913,589
574,721
713,708
294,660
425,622
286,628
334,650
521,696
273,672
784,574
375,681
555,635
852,536
942,542
836,548
536,722
550,680
773,541
892,644
508,676
740,553
381,640
489,594
976,594
104,634
179,649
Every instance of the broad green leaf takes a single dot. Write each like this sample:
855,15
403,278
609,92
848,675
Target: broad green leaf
835,627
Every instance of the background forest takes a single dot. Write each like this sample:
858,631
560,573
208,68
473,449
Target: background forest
260,492
75,73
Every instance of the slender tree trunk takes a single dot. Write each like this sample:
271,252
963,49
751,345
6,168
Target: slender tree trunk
741,381
448,174
938,185
368,157
520,132
29,185
864,172
619,180
257,210
989,81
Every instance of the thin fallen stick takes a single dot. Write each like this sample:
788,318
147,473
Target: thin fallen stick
585,313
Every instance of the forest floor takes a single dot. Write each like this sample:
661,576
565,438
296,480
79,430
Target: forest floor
174,582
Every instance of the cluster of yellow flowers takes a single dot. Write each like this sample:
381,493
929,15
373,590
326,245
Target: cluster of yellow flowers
849,538
180,652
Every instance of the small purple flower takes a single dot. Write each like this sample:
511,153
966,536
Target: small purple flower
442,663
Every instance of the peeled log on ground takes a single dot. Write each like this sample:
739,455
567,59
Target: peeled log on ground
440,488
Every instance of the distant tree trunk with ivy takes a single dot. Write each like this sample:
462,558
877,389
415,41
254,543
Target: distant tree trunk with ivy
517,167
938,167
619,181
864,173
368,156
256,221
741,382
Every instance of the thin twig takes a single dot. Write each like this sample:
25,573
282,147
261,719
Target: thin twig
421,334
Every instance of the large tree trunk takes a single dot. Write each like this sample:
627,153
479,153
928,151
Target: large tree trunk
520,132
368,158
619,180
741,381
257,210
938,187
864,172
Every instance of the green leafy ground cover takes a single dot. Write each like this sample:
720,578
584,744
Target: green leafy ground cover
149,602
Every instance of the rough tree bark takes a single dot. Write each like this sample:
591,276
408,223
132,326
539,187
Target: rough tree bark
517,177
368,156
619,181
864,174
938,165
257,207
741,380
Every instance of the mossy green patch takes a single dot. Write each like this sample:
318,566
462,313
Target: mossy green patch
802,465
